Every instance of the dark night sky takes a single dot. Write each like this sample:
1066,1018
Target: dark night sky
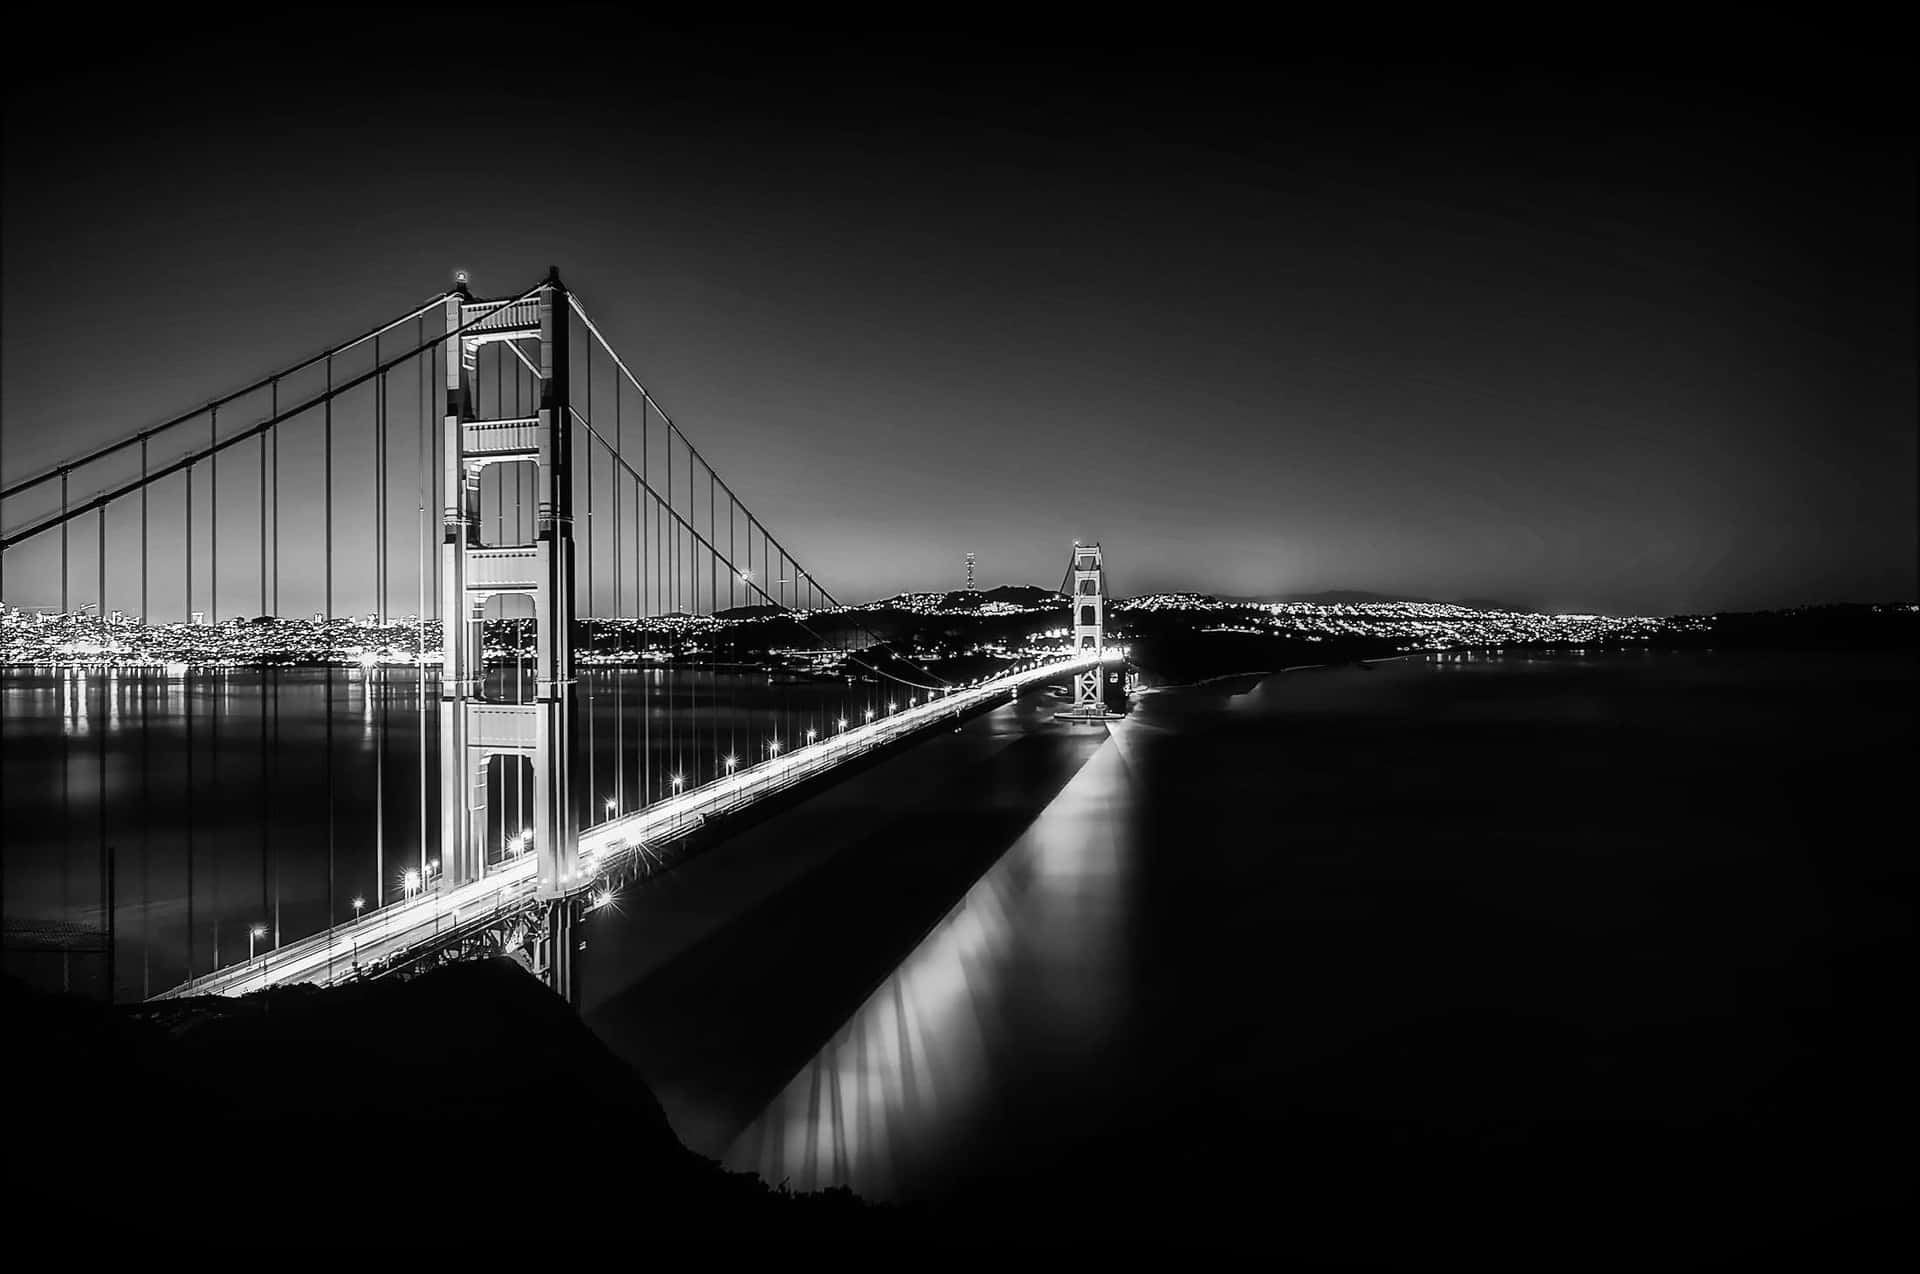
1263,311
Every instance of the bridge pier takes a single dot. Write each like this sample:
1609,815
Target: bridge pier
555,948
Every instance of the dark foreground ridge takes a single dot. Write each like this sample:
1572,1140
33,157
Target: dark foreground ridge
446,1110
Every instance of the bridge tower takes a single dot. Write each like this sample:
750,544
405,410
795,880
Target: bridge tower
1087,595
474,727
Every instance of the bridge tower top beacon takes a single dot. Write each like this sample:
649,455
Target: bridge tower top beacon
1087,595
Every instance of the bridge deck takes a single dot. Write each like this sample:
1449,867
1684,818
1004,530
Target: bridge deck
401,926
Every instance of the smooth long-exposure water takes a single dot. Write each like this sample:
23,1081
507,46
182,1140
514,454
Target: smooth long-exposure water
1539,934
1445,954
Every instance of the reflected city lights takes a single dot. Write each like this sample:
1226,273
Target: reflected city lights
1028,960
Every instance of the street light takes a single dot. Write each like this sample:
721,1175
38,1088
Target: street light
410,881
678,780
773,746
358,903
810,733
843,723
610,805
258,931
732,761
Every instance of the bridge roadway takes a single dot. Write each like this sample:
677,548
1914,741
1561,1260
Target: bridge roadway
401,926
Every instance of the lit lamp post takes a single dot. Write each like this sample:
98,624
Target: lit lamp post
410,882
258,931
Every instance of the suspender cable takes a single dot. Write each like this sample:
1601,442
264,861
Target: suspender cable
370,674
279,417
713,606
423,409
213,518
142,437
327,652
146,616
273,852
188,616
146,800
273,435
647,576
586,623
186,685
379,492
619,680
146,837
100,763
216,700
593,787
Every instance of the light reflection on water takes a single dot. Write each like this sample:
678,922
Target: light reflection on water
1028,965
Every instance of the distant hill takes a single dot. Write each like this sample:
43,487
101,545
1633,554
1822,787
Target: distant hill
1011,594
1022,595
749,612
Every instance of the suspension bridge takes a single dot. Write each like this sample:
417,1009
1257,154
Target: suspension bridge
561,525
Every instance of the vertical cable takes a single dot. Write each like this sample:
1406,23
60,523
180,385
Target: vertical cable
63,537
214,706
266,809
367,675
379,491
647,576
213,517
328,651
189,607
271,702
672,537
273,432
186,688
263,524
423,409
146,616
100,762
146,834
265,791
713,605
619,677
